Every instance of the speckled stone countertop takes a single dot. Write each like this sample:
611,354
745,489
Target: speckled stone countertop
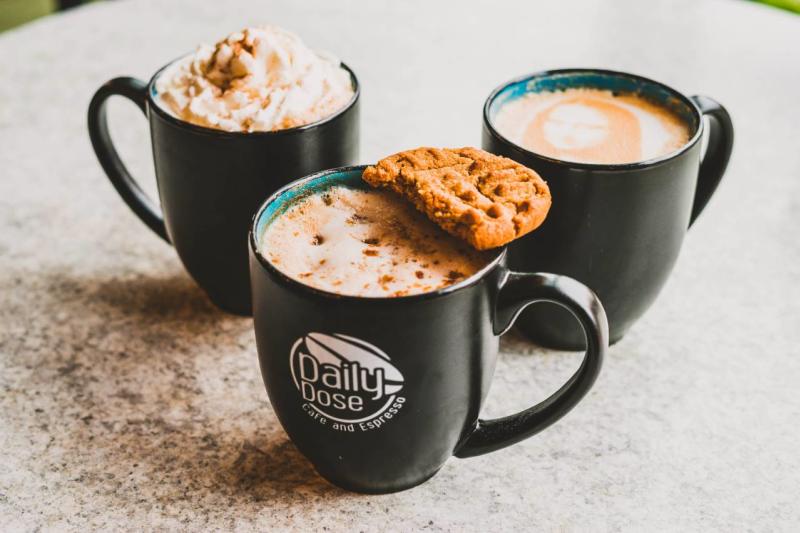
128,402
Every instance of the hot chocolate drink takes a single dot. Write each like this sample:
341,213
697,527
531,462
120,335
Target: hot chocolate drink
366,243
591,126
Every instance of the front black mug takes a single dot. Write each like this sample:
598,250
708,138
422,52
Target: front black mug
618,228
379,392
210,182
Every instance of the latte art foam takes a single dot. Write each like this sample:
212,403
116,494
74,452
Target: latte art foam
366,243
591,126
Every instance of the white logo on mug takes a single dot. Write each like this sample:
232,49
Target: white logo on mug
346,381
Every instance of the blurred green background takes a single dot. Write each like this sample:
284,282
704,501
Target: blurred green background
16,12
789,5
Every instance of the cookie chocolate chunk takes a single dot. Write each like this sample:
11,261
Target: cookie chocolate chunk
485,199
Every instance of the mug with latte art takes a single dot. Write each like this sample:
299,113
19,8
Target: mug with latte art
622,157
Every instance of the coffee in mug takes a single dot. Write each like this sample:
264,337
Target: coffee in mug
362,242
592,126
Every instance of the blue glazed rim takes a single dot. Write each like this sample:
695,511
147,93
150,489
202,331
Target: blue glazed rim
527,79
155,107
319,181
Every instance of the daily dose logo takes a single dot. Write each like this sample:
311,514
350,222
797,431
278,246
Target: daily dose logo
345,383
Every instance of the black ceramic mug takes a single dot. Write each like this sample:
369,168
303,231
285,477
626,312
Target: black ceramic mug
379,392
210,182
618,228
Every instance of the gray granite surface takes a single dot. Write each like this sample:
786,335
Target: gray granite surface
128,402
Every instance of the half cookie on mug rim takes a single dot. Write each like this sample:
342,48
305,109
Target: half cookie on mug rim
485,199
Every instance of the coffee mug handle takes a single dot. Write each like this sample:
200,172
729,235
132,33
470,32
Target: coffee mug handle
517,291
135,91
718,152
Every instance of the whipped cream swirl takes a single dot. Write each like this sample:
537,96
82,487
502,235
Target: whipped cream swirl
257,79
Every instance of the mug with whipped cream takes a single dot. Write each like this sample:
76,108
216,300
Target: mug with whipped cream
230,124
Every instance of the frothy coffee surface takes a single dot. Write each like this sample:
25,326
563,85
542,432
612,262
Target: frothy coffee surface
258,79
366,243
591,126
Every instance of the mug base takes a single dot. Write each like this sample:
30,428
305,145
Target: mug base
371,489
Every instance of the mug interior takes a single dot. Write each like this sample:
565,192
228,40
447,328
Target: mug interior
284,199
349,177
616,82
